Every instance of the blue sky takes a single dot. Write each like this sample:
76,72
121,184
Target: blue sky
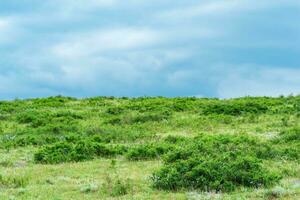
207,48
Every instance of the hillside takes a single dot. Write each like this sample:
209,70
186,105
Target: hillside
61,148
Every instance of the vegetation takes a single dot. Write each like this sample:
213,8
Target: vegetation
150,148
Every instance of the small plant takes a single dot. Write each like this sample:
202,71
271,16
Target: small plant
6,163
14,181
89,188
115,187
285,121
275,193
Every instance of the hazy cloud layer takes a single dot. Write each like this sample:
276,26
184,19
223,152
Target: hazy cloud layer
221,48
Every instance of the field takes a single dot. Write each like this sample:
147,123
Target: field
61,148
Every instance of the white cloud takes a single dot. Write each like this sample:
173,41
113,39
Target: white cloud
74,9
3,24
7,30
221,8
181,78
209,9
80,5
260,82
106,40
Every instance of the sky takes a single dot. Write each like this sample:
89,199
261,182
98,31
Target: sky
201,48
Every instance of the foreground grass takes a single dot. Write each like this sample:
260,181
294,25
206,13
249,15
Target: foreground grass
88,180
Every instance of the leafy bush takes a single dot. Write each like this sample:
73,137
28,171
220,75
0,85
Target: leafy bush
38,137
44,118
290,135
34,118
287,144
115,110
174,139
208,163
223,172
78,151
115,187
235,108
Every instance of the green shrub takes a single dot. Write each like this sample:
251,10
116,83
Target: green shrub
218,163
45,118
174,139
290,135
148,151
115,187
57,153
220,172
35,118
36,138
73,152
235,108
115,110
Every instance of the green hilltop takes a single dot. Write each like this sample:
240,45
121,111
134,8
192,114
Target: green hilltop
150,148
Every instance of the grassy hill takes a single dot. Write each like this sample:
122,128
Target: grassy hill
150,148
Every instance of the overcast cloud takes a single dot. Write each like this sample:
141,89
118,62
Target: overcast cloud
220,48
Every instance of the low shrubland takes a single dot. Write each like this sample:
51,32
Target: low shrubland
235,108
194,144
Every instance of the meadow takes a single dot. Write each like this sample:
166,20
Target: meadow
62,148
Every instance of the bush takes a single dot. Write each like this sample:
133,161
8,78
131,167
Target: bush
115,110
115,187
36,138
290,135
78,151
34,118
218,163
287,144
221,172
235,108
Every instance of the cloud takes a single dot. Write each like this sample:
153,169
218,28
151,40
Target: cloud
7,30
260,81
222,8
106,40
219,48
3,24
210,8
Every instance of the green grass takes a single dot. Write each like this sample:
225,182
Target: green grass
117,148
